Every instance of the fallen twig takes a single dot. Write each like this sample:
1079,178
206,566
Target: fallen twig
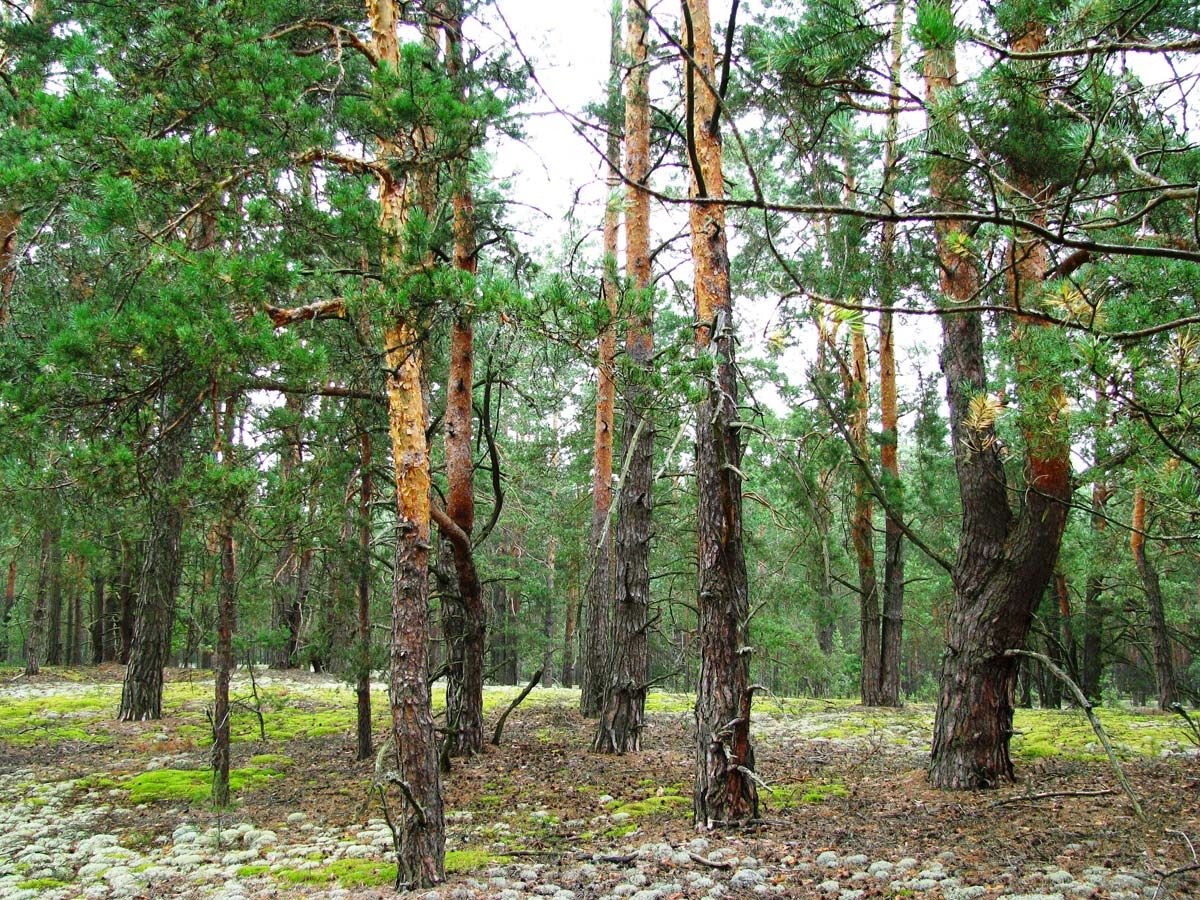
1048,794
1086,705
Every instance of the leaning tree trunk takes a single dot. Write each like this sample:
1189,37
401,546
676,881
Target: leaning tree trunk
158,582
1005,559
892,628
725,792
862,529
623,710
1160,638
599,598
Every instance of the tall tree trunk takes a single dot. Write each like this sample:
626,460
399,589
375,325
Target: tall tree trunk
10,600
623,712
548,613
419,818
724,792
74,645
596,632
1066,625
10,223
1005,559
226,618
363,744
158,582
37,617
465,628
893,554
1160,638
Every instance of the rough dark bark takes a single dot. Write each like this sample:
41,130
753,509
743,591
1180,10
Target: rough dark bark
363,744
1092,663
599,599
1160,638
623,708
162,565
1005,557
725,792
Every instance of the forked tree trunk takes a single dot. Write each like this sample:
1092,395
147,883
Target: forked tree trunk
724,792
158,583
1160,638
893,554
1005,558
596,634
363,744
862,530
623,709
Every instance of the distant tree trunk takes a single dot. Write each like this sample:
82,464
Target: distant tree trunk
295,611
226,621
124,613
1005,559
862,529
724,792
284,617
363,743
75,627
623,707
1049,687
596,632
54,637
10,600
1066,626
1093,608
568,650
158,583
37,617
1164,670
99,619
893,555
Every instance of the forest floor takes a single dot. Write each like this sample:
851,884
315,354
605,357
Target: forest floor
90,807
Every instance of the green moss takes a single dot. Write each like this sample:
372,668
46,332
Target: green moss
41,884
191,784
650,806
252,871
348,873
1067,733
56,718
96,783
489,800
792,795
471,860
